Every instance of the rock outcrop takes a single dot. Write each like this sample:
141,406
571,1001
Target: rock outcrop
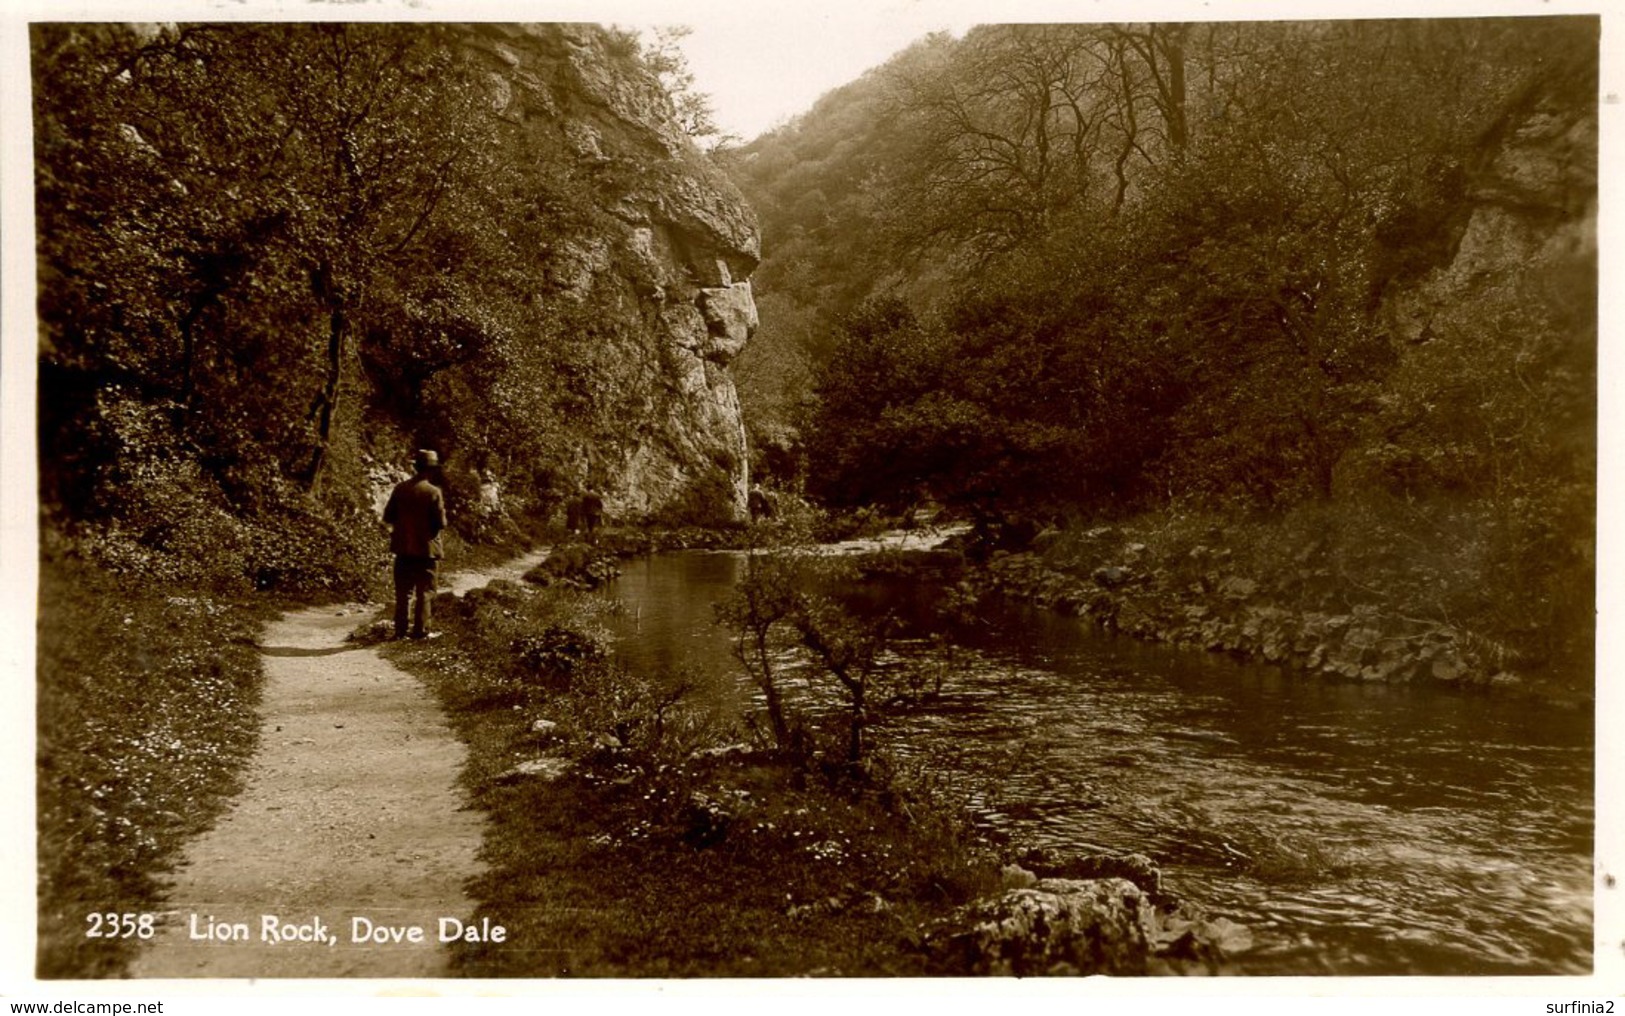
663,269
1530,208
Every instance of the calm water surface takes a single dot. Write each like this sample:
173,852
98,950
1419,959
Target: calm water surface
1355,829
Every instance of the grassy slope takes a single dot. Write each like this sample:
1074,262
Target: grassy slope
146,713
146,716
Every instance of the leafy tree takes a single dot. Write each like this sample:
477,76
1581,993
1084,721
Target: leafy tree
1004,140
907,411
665,57
764,598
275,173
264,246
775,608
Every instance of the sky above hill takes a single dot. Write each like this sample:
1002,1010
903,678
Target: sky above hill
757,79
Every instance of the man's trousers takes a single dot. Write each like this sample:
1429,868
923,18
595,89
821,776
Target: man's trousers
414,581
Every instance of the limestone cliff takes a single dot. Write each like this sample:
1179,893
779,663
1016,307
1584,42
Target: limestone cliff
668,260
1528,207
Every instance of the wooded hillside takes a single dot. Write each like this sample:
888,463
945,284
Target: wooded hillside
276,258
1092,270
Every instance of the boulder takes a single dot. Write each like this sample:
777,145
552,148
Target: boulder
1058,926
1047,862
706,820
1046,539
381,630
723,752
1447,669
1081,927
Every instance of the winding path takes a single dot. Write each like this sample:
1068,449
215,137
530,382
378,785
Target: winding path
350,813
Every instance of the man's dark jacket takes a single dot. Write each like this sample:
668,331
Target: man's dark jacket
417,511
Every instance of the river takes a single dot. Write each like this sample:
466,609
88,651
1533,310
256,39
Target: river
1356,829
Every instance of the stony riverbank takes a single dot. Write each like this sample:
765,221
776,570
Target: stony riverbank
1297,607
1344,604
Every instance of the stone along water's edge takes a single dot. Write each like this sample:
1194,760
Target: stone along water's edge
1138,593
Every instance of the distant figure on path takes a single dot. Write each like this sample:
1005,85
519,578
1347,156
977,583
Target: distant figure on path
761,506
592,513
417,513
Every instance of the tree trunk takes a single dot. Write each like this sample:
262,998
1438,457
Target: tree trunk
1173,51
188,383
770,692
1131,131
325,405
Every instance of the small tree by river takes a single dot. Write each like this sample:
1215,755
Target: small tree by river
849,650
759,605
776,608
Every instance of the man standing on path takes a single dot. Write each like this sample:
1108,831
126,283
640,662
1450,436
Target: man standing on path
417,513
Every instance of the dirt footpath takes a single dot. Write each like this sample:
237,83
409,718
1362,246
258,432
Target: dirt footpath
347,851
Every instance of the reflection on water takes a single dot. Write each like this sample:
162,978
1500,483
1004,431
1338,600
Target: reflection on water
1356,829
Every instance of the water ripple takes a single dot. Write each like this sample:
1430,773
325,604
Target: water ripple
1356,830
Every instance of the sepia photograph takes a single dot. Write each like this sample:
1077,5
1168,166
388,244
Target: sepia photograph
925,493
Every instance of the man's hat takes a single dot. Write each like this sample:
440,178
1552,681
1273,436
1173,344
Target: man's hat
426,458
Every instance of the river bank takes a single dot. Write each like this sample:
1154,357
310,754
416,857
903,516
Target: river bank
1357,601
632,834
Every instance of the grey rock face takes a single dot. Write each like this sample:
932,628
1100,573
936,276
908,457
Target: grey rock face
666,264
730,319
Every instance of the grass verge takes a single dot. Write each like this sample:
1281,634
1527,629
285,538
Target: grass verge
146,717
644,843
